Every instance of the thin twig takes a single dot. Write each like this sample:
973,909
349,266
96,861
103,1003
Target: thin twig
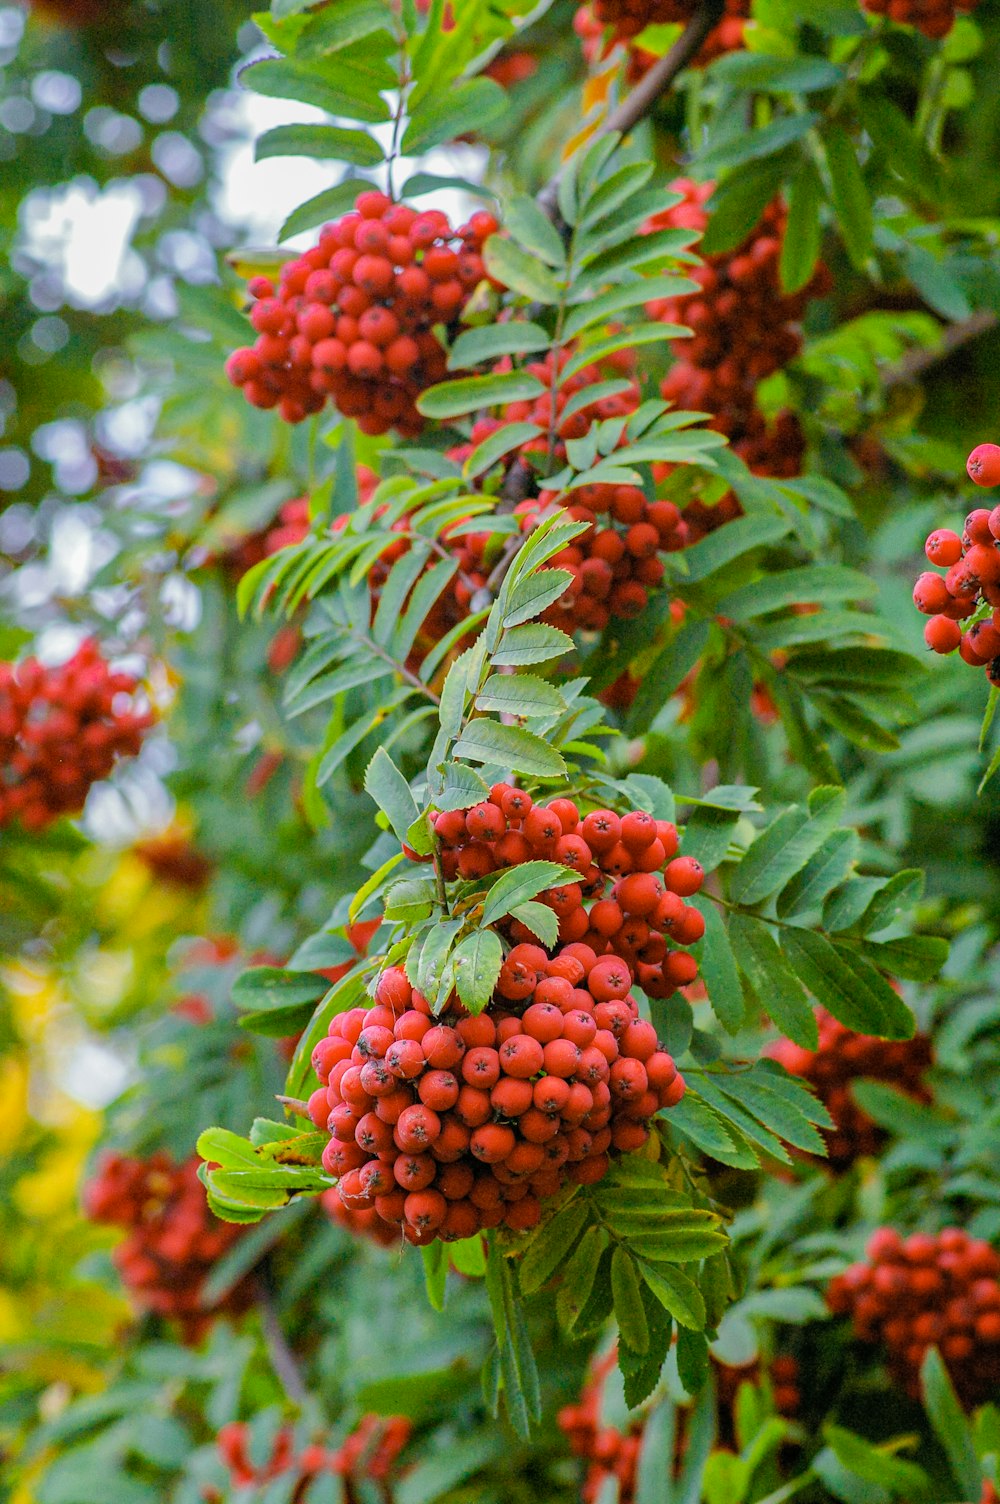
640,101
953,336
283,1360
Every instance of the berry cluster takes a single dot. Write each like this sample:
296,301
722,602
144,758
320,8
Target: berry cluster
173,1240
364,1222
970,587
368,1455
630,17
842,1057
353,318
62,730
447,1126
925,1291
613,1453
636,853
614,564
934,18
744,329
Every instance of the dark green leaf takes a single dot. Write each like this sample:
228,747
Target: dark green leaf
326,142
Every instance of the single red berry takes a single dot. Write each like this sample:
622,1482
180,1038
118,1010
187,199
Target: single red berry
983,465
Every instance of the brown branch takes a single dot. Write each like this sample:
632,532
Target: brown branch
640,101
953,336
283,1360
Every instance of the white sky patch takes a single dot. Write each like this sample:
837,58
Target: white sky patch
84,235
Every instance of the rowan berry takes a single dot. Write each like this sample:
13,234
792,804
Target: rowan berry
983,465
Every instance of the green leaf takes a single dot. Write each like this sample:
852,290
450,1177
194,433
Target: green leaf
477,961
786,845
520,271
717,966
391,792
750,146
533,230
877,1465
830,865
851,202
916,958
491,742
489,341
847,986
534,642
452,399
325,142
496,445
435,1257
695,1121
351,21
950,1425
520,883
462,788
460,108
329,204
773,1110
756,71
692,1359
520,695
627,1293
533,594
655,1467
272,987
707,835
777,988
738,202
731,542
665,674
579,1275
800,246
539,919
552,1245
903,890
330,90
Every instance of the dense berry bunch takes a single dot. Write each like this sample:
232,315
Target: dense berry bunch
363,1222
842,1057
744,329
632,919
970,587
614,1453
934,18
62,730
453,1124
615,563
924,1291
368,1455
630,17
353,318
173,1241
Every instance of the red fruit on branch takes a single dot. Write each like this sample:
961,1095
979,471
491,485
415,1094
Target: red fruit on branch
922,1291
934,18
971,582
983,465
61,731
367,1456
525,1101
353,318
842,1056
173,1241
630,877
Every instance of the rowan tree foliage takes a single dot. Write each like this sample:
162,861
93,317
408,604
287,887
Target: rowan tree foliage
499,920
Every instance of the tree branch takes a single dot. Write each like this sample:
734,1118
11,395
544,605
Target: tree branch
282,1358
640,101
953,336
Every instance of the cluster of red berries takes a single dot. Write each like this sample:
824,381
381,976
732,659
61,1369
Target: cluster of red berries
173,1240
612,1453
842,1057
970,586
636,853
744,329
368,1455
451,1125
922,1291
62,730
353,318
630,17
363,1222
934,18
615,563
